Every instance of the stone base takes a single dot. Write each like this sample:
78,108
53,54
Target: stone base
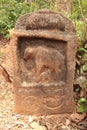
43,100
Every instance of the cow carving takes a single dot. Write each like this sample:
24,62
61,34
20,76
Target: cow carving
44,58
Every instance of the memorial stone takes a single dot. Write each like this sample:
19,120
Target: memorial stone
43,46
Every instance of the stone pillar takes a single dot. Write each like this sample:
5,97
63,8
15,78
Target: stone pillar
44,47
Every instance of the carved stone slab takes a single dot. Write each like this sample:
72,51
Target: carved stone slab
43,46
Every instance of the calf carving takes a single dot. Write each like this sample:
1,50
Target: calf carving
44,58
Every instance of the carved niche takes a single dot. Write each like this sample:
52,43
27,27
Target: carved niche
42,62
43,45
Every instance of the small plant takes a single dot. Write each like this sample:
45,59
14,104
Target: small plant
9,12
82,105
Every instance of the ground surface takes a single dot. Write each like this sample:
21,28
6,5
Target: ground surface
9,120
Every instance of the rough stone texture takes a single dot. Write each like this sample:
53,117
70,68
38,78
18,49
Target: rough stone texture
42,20
43,47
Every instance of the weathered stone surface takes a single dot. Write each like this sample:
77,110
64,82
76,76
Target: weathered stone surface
42,20
43,46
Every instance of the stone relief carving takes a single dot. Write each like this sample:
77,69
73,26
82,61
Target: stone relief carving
43,47
47,60
54,102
